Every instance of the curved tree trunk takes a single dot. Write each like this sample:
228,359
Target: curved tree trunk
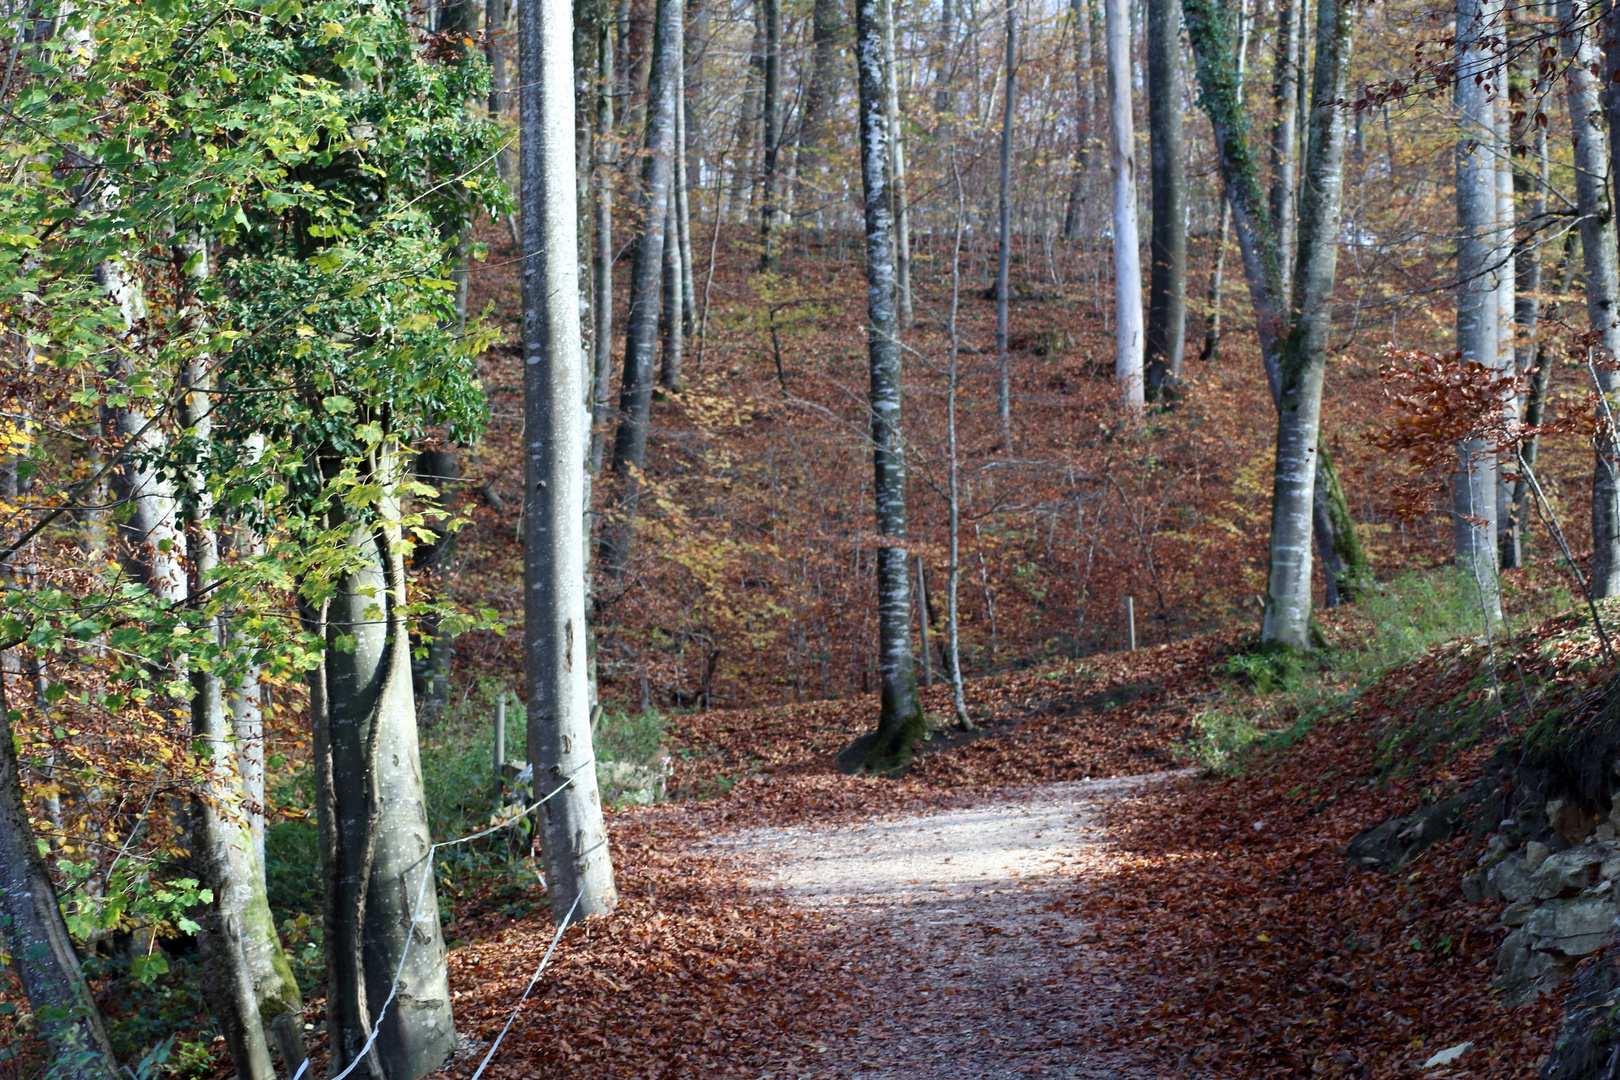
1128,335
573,839
1167,277
382,916
900,718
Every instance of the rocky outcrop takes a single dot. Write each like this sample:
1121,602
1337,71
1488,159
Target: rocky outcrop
1560,905
1588,1045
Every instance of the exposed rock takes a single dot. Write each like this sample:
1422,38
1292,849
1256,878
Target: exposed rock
1477,886
1573,927
1535,853
1523,972
1399,840
1511,878
1605,832
1569,821
1588,1046
1610,868
1568,872
1518,912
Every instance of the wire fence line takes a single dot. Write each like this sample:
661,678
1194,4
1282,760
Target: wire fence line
416,911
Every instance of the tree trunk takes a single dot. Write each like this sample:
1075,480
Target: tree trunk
669,371
953,577
383,938
430,673
1507,537
573,839
771,109
682,206
900,719
1528,358
1167,290
1602,281
250,986
900,212
646,290
1128,338
606,149
1211,350
826,28
36,937
1474,487
1004,248
1085,117
944,65
1303,359
1285,86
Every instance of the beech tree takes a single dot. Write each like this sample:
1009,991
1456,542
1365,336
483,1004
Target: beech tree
1293,333
646,288
1473,499
1167,275
1128,334
1602,278
573,838
1004,244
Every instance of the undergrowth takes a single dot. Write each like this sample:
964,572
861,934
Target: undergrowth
1270,700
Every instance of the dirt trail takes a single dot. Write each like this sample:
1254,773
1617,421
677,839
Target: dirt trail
944,931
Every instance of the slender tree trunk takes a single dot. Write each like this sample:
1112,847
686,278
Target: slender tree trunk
772,107
899,209
1167,291
669,372
1474,488
1507,537
1085,117
1004,248
900,719
251,989
1527,353
646,290
944,65
1223,232
953,577
606,147
1285,86
573,838
1128,336
1602,281
36,937
682,207
430,672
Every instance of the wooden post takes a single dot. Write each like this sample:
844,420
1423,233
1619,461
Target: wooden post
922,610
500,742
1130,623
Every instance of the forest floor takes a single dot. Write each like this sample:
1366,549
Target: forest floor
1059,897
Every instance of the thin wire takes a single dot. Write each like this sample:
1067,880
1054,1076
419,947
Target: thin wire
416,908
544,960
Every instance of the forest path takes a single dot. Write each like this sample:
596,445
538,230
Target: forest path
954,935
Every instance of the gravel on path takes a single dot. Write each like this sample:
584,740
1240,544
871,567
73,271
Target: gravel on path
951,932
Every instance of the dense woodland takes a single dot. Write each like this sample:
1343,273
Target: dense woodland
462,465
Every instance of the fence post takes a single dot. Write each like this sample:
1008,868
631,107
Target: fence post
500,742
1130,623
